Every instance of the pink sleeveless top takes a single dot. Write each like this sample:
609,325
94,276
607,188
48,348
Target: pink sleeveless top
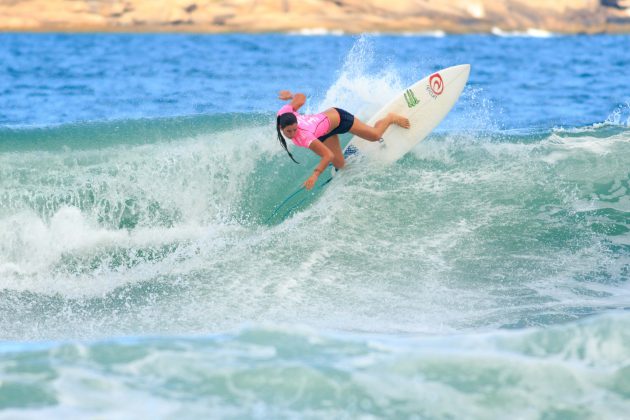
310,127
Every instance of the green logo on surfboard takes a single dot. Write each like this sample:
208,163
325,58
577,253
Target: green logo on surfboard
411,98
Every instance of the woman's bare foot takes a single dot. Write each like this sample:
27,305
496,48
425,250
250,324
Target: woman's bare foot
399,120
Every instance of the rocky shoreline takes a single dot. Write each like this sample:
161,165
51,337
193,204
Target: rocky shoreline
317,16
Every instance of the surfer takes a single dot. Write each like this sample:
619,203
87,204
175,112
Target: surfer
311,131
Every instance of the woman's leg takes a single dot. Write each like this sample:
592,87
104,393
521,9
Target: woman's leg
375,133
333,144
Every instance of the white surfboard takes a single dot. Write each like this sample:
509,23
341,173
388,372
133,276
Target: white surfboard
425,103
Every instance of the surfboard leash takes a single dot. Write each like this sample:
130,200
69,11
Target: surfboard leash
279,206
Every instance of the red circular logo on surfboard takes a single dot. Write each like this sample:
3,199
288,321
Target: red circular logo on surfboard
436,83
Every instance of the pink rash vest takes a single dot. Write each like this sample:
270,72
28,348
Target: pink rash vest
310,127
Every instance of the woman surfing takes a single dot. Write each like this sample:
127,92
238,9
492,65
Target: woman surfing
312,131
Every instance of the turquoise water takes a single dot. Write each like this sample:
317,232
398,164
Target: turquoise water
484,275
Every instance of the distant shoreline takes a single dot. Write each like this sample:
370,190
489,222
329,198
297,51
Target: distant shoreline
318,16
530,32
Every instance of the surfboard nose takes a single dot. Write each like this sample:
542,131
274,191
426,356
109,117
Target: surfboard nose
458,71
466,68
461,70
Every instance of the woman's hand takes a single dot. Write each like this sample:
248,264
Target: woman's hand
310,182
326,157
285,95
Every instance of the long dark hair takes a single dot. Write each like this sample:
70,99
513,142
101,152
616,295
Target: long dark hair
284,120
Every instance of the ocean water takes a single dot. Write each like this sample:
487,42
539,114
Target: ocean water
484,275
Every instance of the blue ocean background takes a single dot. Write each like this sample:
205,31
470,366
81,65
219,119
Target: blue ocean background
484,275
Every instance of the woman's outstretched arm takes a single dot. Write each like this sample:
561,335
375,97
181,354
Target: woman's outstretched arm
297,100
326,157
